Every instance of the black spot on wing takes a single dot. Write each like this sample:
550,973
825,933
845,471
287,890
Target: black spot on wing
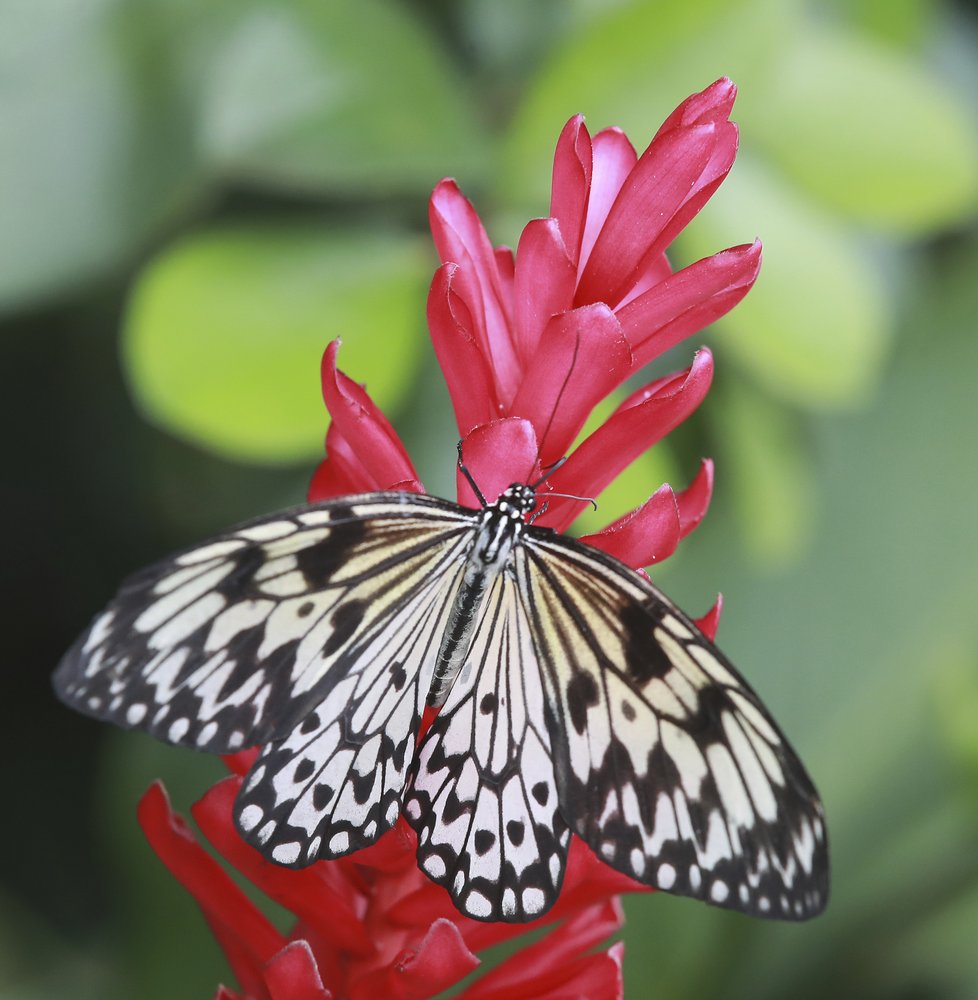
398,676
345,621
319,562
247,562
582,694
645,659
310,723
484,839
322,795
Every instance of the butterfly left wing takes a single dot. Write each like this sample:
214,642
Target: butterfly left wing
484,797
232,642
667,763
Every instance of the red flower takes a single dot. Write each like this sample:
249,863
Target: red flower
371,925
528,346
588,301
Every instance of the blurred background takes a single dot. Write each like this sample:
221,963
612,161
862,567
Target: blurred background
195,198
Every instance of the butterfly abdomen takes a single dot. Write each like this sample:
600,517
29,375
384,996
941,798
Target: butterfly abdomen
498,531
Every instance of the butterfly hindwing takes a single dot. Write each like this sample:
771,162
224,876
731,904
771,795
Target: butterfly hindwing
484,799
667,764
335,783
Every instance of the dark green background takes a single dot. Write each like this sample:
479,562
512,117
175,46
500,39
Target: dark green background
195,198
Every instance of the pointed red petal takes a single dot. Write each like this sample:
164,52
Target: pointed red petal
644,536
688,300
292,975
366,449
245,935
644,418
462,359
614,160
544,286
539,967
571,184
461,239
498,454
439,961
710,622
712,104
694,501
581,357
651,195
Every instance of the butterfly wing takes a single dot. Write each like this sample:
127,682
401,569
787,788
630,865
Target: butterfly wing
313,631
484,798
667,763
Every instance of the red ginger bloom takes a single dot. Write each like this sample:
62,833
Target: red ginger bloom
528,347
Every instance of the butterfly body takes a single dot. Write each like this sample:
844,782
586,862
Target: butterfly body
571,696
500,526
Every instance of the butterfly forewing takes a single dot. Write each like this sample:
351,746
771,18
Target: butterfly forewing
667,764
484,800
233,642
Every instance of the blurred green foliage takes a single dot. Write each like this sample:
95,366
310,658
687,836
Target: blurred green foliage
195,198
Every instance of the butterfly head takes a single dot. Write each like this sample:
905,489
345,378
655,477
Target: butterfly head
517,500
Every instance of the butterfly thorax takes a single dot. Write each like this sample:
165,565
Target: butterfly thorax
500,526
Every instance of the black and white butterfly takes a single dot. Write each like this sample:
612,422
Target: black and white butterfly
572,697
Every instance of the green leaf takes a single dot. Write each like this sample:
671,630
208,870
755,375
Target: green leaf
770,471
95,151
226,330
815,326
345,96
868,131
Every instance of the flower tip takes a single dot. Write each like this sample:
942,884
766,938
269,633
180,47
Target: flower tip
328,364
709,622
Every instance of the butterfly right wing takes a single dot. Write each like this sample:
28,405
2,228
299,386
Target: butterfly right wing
484,799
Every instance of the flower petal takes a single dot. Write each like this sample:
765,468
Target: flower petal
581,357
367,453
308,893
694,501
439,961
461,239
712,104
688,300
498,454
644,418
550,962
614,159
651,195
292,974
460,356
544,286
245,935
710,622
571,184
646,535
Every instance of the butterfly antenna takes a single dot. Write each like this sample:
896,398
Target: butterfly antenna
468,475
547,470
571,496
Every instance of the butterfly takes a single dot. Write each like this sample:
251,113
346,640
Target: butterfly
572,696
